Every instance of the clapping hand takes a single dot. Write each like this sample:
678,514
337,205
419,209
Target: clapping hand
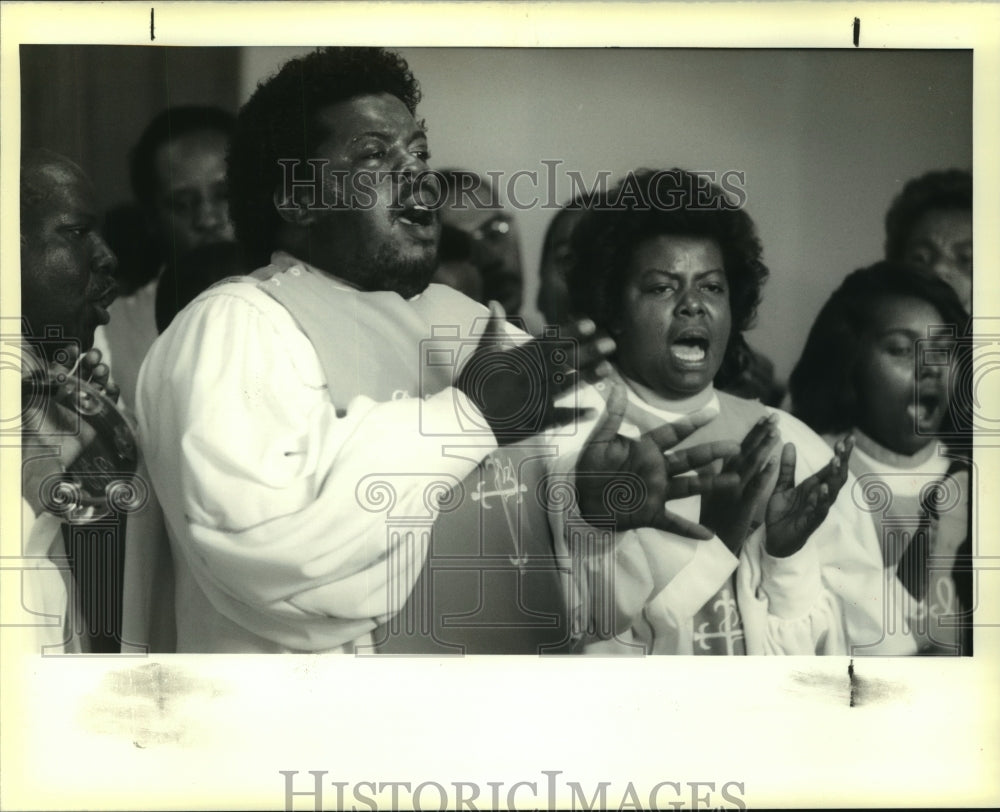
90,368
515,388
731,510
610,461
52,434
795,511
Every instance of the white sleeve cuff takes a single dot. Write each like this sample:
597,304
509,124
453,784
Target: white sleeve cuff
27,517
791,584
450,415
707,572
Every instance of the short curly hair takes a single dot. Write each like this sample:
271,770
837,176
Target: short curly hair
945,190
822,385
281,121
650,203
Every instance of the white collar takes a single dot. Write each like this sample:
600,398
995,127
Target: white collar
880,454
669,409
284,260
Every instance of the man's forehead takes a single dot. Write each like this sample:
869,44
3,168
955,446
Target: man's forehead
952,221
62,189
191,160
194,143
56,173
371,112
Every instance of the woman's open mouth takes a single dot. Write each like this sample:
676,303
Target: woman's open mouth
690,349
926,409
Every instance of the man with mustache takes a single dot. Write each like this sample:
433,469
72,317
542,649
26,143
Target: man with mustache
67,284
178,175
268,403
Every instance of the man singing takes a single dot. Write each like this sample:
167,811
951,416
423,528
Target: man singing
270,399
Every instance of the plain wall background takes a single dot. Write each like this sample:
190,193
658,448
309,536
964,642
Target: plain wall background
92,102
826,139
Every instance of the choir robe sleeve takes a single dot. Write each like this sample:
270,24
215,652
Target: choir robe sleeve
830,596
47,595
267,493
618,581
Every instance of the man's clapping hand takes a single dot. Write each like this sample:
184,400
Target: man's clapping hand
515,388
52,434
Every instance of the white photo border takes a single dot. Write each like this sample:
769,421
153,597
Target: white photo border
780,729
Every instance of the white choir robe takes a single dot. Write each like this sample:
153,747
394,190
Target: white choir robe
48,617
260,478
47,591
827,598
125,340
895,485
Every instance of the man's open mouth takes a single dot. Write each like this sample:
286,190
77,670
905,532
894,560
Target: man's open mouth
416,215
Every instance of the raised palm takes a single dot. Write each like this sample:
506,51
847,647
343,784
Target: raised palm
732,510
795,511
628,482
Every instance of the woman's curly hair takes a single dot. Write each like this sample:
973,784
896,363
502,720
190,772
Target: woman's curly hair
945,190
280,122
823,384
650,203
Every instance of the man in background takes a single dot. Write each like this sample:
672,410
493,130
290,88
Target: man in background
929,225
178,177
472,213
67,286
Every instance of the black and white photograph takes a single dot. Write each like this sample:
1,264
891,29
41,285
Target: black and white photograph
468,358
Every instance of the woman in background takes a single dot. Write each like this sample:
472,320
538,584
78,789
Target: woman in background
557,259
878,365
786,566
